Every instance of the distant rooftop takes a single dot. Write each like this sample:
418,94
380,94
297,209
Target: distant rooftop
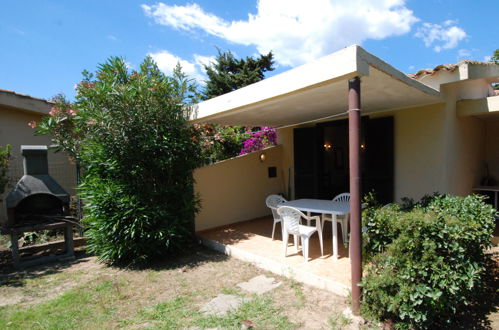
24,95
446,67
24,102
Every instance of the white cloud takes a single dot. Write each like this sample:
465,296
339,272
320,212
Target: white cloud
166,62
445,36
296,31
487,58
203,60
111,37
462,53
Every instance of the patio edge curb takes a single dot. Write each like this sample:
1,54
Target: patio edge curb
278,268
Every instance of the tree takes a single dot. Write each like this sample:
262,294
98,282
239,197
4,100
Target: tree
227,73
138,154
495,57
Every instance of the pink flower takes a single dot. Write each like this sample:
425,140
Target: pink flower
32,124
72,112
53,111
87,84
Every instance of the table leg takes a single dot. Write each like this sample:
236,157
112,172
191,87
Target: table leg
335,237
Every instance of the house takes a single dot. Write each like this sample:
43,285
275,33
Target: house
434,131
16,111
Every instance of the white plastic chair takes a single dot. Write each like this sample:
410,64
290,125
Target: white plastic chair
342,220
273,202
291,226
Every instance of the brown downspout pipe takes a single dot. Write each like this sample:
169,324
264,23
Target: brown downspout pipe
355,190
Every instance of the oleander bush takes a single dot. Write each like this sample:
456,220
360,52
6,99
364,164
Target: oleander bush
129,131
4,168
427,264
139,158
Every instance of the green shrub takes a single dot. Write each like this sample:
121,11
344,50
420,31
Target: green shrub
138,156
427,263
4,167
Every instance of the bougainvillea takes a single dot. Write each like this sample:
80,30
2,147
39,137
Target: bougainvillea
265,137
220,142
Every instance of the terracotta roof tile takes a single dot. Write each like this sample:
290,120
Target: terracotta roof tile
445,67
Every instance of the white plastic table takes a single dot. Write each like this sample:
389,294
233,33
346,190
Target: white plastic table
324,207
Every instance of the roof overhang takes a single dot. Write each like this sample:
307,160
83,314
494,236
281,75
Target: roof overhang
317,90
22,102
481,108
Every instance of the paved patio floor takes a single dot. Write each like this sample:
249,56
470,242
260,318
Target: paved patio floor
251,241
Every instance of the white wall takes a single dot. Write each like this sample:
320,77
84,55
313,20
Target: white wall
492,149
234,190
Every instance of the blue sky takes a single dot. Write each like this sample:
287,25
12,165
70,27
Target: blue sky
46,44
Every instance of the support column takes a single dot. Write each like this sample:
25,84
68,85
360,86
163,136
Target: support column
355,190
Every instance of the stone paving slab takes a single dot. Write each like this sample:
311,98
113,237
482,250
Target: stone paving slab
259,284
222,304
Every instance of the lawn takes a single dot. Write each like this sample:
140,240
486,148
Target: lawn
85,294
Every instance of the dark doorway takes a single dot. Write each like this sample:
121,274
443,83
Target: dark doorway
321,159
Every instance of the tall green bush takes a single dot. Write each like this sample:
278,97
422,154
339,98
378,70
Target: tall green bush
428,264
138,154
4,167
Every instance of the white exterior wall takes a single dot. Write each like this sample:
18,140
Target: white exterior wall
234,190
492,149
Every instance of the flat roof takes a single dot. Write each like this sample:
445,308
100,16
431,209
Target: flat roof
316,90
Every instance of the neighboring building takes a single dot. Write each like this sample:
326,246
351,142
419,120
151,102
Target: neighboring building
16,111
437,130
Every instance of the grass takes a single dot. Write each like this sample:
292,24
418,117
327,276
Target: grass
177,313
96,306
338,321
82,307
88,295
298,290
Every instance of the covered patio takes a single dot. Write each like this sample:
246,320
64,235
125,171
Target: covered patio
346,84
251,241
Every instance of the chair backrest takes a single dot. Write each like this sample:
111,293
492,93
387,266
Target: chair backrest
273,202
290,219
344,197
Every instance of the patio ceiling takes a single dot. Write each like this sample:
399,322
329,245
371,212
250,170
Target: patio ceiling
317,90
